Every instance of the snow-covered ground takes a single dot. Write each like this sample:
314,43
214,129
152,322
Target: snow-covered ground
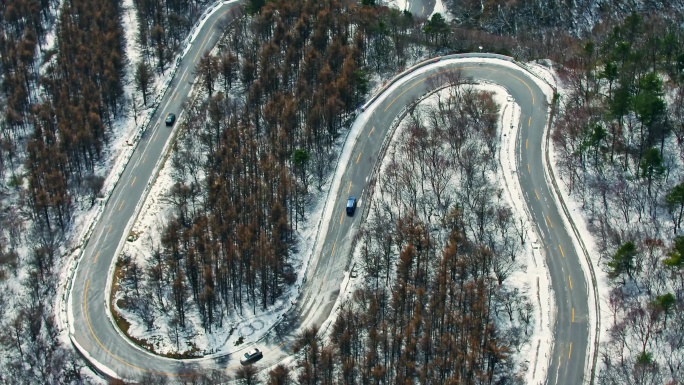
534,281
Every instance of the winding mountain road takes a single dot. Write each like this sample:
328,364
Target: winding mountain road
93,332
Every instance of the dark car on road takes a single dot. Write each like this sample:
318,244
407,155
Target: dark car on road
170,119
251,356
351,205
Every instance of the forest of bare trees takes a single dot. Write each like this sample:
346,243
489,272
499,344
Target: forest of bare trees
162,27
551,29
57,105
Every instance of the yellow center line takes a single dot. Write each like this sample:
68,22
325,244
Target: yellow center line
569,280
526,143
200,48
371,131
528,168
92,332
401,94
333,250
423,11
573,315
186,76
134,178
535,193
109,229
207,35
561,249
549,220
122,203
529,121
570,351
528,87
96,256
175,96
357,158
341,218
349,188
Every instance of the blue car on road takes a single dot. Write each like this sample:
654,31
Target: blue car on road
351,205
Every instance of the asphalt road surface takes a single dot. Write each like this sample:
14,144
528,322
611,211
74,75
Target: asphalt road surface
98,337
421,8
